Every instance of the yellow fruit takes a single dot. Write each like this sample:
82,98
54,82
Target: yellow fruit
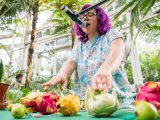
68,105
145,110
30,110
9,107
18,110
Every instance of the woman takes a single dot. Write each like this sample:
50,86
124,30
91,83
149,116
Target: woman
97,56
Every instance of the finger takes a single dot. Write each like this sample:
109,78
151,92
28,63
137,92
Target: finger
99,83
55,81
94,84
50,83
63,85
104,82
46,85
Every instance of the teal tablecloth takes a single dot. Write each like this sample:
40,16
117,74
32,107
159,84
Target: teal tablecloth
119,115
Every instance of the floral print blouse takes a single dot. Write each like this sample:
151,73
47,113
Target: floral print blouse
90,55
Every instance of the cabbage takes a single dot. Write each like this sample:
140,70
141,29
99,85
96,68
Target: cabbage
100,104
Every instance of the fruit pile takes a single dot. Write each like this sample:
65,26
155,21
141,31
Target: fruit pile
45,103
147,103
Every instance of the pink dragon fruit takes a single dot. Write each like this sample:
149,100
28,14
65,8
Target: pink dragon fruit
150,92
46,103
30,99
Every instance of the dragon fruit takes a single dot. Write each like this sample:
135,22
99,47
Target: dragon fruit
68,105
150,92
30,99
46,103
43,102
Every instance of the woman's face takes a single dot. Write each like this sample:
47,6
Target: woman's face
92,22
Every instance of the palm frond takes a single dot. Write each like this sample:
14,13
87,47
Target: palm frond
135,21
60,18
138,8
3,47
126,7
149,4
150,29
62,29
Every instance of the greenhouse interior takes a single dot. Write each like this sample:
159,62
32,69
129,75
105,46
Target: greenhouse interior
80,59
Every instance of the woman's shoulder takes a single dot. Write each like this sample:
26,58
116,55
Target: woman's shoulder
113,31
113,34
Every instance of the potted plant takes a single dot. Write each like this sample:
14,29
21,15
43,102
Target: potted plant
3,85
3,88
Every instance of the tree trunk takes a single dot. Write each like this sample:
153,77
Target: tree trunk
31,48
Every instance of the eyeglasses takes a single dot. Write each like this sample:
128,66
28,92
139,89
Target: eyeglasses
88,14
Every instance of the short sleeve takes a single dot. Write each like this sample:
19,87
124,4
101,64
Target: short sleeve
113,34
74,52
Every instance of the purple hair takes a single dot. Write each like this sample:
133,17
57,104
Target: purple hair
103,21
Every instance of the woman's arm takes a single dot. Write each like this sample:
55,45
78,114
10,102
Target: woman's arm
102,80
67,69
115,55
63,75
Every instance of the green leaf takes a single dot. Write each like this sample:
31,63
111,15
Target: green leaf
150,4
66,2
4,48
1,70
85,1
132,24
143,4
135,14
61,28
151,28
126,7
54,20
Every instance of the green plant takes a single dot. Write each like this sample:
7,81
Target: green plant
2,67
1,70
150,65
128,70
138,9
14,96
36,83
62,21
25,91
10,72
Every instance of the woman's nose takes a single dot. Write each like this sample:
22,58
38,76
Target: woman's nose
85,18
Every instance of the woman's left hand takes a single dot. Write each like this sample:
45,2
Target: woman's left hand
102,80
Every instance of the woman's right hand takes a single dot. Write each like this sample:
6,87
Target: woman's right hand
55,80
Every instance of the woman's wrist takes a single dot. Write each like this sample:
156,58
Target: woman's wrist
107,68
62,75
